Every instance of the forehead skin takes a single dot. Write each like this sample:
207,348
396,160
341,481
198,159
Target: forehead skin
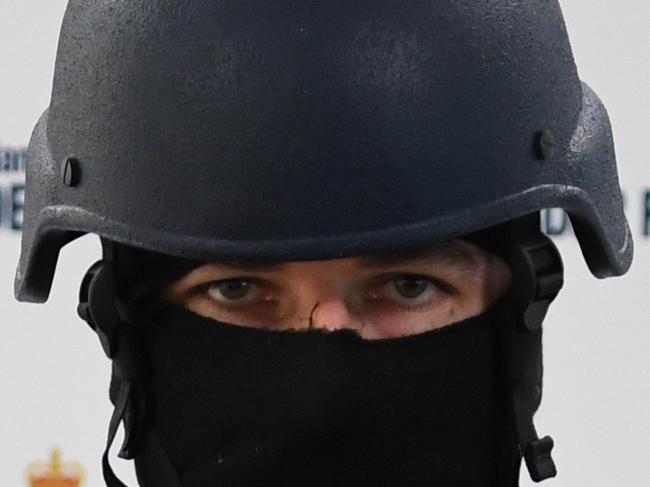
456,253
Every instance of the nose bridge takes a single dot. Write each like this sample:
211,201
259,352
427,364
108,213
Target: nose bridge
327,295
332,313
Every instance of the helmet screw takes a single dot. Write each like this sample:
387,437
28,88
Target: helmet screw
70,172
545,144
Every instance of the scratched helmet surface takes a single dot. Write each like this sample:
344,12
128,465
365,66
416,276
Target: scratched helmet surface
312,129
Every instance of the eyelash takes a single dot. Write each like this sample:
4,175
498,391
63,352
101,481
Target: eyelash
388,287
205,290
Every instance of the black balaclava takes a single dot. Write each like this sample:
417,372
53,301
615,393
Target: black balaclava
207,403
236,406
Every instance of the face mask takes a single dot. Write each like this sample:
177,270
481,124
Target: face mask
205,403
236,406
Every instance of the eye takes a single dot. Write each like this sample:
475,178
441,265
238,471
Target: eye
412,289
233,291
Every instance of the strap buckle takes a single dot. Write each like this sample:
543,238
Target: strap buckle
538,459
96,306
540,275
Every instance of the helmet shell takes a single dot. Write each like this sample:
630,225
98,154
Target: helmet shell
315,129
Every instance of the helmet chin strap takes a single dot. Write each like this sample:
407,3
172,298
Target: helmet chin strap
538,276
120,334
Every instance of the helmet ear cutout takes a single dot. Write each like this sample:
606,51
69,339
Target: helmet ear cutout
595,202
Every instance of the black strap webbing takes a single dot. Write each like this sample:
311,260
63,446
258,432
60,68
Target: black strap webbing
537,268
122,344
151,458
118,413
525,377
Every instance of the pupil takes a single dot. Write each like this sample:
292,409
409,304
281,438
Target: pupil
411,287
235,289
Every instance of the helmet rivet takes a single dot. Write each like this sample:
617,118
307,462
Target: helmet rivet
70,172
545,144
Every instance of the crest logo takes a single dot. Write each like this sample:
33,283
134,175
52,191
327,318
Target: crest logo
55,473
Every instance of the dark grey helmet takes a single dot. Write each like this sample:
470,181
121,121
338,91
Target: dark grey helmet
260,129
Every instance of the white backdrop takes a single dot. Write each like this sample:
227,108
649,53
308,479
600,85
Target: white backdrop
53,376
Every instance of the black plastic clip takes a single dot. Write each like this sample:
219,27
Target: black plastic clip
96,305
540,275
538,459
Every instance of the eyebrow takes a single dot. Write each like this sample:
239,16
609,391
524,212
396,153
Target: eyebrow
255,266
450,252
